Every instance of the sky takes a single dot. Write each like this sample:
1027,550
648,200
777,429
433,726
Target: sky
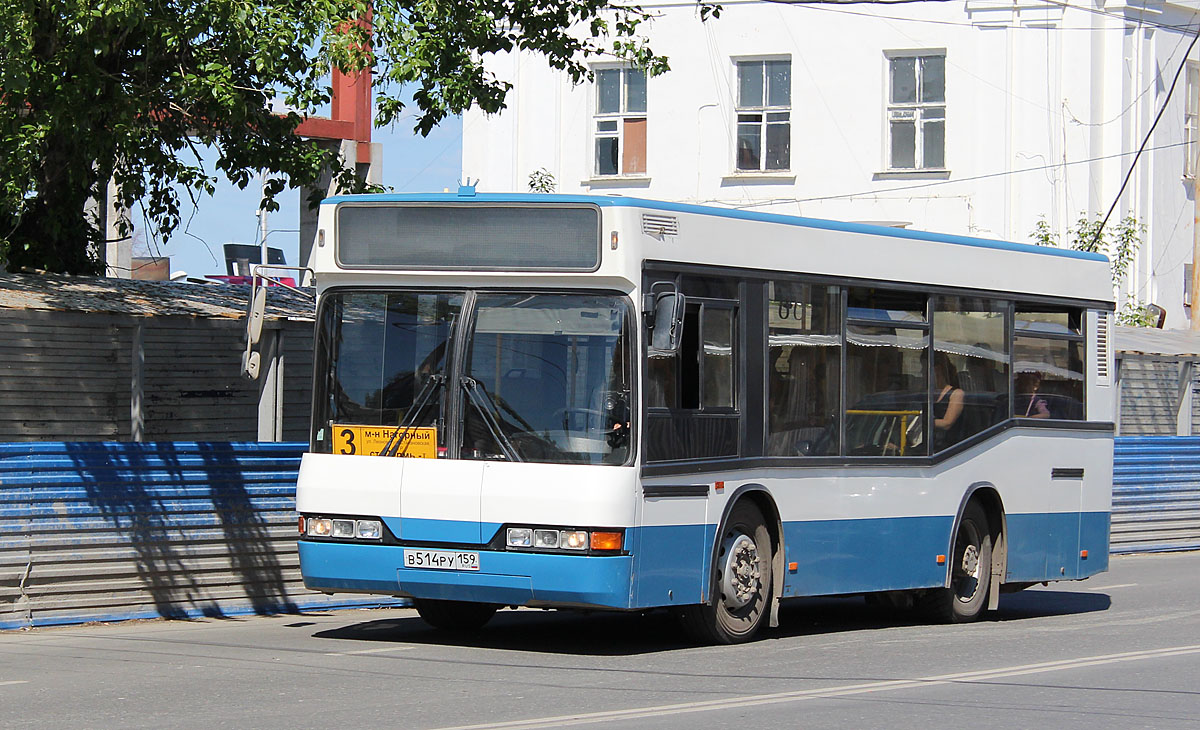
411,163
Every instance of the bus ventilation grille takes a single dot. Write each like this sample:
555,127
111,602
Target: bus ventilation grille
660,226
1103,329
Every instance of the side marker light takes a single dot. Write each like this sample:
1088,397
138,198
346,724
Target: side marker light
941,560
1083,554
793,567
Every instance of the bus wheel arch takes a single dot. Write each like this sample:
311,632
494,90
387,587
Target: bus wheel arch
976,546
750,524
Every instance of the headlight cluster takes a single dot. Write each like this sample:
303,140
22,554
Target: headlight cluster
549,538
341,528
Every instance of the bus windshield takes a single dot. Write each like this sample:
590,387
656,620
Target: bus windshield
543,377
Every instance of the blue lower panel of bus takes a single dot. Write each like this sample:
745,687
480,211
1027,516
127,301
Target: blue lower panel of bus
858,556
670,565
504,577
854,556
1049,546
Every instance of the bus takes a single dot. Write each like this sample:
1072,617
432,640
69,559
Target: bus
601,402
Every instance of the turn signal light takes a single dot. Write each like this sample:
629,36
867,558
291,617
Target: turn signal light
606,540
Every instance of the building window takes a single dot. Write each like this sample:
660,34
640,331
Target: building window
620,121
764,115
1190,115
917,112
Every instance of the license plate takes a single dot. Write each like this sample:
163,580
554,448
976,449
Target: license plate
441,559
370,440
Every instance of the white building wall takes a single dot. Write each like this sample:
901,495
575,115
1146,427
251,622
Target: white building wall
1045,107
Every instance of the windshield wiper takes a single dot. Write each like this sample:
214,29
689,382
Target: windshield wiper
403,428
486,407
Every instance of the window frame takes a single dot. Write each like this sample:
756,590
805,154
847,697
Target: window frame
620,117
917,108
765,109
753,335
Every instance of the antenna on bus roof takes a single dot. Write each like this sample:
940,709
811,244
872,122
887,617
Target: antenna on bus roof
467,189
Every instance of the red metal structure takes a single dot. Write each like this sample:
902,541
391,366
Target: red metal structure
350,114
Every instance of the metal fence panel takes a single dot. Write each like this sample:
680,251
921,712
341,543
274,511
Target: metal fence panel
1156,494
102,531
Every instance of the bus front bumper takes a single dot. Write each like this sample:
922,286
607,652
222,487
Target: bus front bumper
506,578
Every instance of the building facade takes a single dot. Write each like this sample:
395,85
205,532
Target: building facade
976,118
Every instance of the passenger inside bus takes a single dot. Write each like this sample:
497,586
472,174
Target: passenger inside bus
948,403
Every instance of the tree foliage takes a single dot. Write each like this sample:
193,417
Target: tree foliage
131,90
1120,243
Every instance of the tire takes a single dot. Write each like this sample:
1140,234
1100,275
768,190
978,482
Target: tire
454,615
970,572
741,587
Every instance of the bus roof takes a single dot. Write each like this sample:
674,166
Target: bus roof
618,201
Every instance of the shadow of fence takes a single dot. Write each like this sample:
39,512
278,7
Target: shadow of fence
105,531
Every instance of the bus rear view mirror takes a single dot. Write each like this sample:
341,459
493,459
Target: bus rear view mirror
668,323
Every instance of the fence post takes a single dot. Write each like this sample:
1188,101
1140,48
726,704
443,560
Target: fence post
1183,400
270,386
137,369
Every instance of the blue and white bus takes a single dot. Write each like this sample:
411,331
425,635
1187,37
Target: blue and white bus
612,403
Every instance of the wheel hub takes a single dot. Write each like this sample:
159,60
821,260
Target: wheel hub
739,579
970,560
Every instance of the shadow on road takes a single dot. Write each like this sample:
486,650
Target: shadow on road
626,634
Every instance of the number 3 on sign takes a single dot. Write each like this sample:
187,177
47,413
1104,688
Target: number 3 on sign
348,447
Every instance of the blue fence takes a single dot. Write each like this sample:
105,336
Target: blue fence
103,531
1156,494
106,531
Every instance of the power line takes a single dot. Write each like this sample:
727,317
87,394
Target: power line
825,5
1146,140
939,183
981,26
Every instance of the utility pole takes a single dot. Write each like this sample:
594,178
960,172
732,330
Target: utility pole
1195,153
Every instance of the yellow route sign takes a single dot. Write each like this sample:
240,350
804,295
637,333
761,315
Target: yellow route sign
420,443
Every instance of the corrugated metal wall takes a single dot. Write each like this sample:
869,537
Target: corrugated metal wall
1149,389
1156,494
67,376
100,530
63,376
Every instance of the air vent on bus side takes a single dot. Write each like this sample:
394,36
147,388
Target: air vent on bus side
660,226
1103,356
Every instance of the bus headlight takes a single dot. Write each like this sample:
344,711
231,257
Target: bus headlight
573,540
368,529
342,528
545,539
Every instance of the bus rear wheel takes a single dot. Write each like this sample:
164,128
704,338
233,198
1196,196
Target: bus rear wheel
970,572
454,615
742,582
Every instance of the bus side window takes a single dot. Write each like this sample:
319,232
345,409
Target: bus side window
1048,352
698,384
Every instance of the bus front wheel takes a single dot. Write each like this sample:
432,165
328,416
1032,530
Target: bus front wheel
454,615
970,572
742,582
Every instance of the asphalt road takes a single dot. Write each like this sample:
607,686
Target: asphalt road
1121,650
